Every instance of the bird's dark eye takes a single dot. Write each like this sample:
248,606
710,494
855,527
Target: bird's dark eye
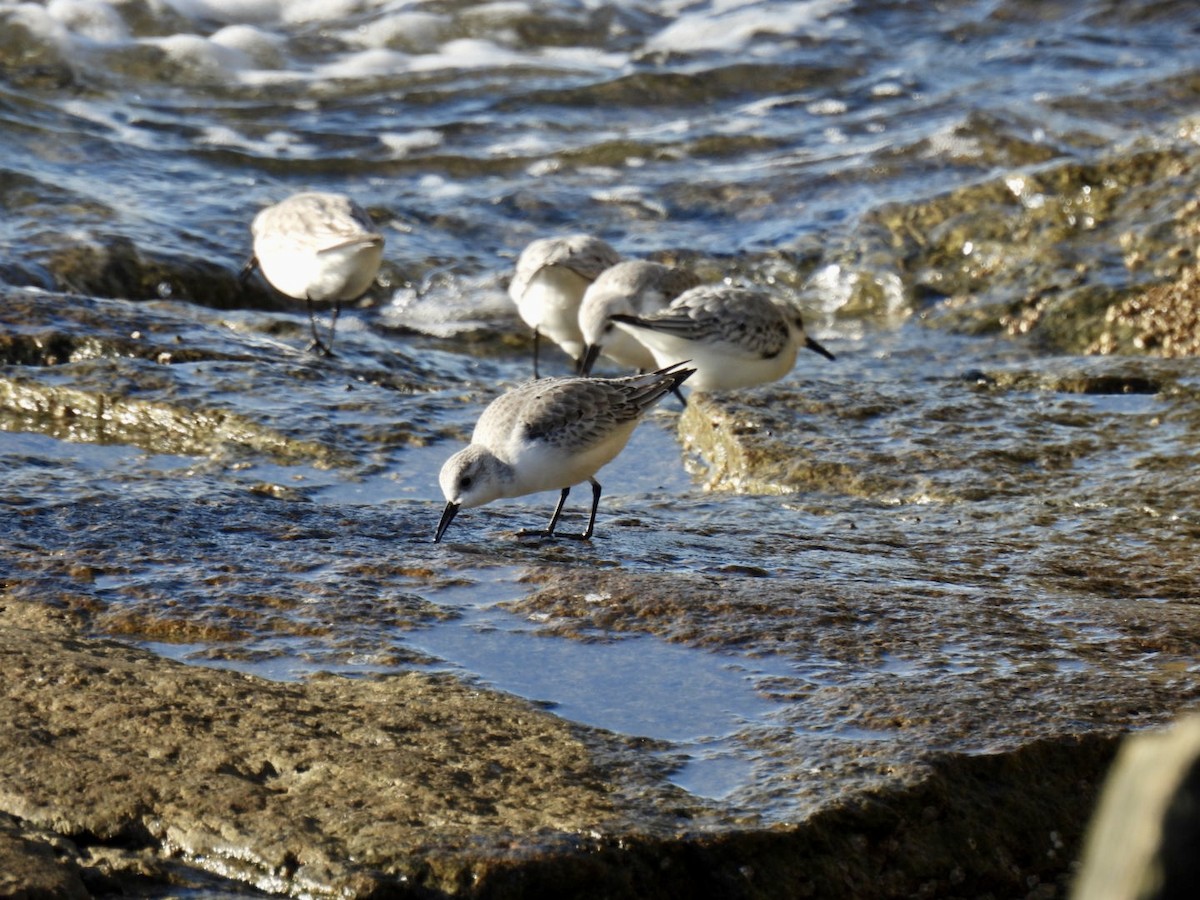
608,326
464,482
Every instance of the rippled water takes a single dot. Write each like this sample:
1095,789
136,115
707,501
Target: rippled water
761,141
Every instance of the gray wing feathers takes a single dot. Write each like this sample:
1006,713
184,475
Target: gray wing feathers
582,411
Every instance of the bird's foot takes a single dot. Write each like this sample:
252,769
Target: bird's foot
551,535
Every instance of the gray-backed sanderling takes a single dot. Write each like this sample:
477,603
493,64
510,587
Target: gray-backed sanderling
317,247
634,288
733,337
549,281
550,434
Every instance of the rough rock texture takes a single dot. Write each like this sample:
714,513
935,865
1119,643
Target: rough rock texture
151,771
1081,257
333,785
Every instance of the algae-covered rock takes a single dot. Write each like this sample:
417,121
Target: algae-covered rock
1081,257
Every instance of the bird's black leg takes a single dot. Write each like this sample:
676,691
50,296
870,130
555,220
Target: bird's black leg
535,354
549,532
678,393
317,344
337,309
587,535
562,498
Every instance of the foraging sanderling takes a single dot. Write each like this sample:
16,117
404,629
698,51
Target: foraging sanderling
635,288
734,337
317,247
550,434
550,278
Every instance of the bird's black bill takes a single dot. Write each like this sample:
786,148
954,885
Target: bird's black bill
448,515
817,348
590,354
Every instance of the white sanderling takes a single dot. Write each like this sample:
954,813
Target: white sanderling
550,434
551,276
635,288
317,247
734,337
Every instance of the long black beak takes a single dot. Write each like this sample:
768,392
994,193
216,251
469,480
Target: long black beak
817,348
590,354
448,515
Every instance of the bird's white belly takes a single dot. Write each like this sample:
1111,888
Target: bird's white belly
551,305
542,466
344,273
627,350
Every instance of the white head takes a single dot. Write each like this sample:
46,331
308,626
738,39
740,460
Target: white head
600,302
470,478
633,287
801,338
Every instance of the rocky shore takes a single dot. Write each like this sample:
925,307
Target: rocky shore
124,772
940,728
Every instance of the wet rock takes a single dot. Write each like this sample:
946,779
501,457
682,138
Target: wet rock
1093,257
419,786
32,867
1163,320
330,786
173,379
116,267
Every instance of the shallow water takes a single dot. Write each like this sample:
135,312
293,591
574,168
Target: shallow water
176,465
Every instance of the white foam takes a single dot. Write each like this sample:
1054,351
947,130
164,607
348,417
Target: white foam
469,53
274,144
229,12
264,48
401,144
97,22
41,26
202,56
827,107
439,187
409,31
364,63
527,143
733,24
588,58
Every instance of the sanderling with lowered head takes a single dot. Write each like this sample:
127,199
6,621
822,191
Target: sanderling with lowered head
733,337
548,435
316,247
635,288
550,278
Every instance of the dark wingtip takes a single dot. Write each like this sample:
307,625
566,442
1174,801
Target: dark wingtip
817,348
677,374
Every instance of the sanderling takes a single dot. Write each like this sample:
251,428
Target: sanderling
734,337
551,276
317,247
550,434
635,288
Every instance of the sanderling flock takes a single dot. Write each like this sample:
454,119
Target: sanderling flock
552,433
